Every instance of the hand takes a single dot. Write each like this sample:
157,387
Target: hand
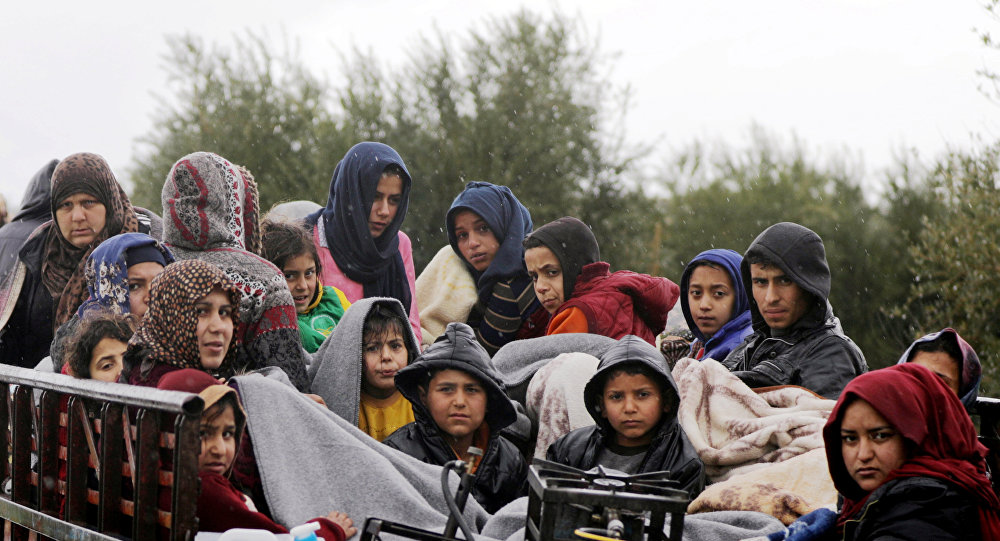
344,521
316,398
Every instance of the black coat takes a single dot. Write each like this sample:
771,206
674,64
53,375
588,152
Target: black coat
502,474
916,508
670,450
35,211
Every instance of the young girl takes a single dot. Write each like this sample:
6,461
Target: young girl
903,454
289,246
98,347
715,303
220,505
362,251
354,372
193,311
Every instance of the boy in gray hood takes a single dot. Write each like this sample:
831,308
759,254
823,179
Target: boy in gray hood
796,340
458,402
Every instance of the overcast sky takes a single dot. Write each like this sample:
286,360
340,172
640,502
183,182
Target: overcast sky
870,77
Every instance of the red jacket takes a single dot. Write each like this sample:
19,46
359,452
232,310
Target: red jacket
621,303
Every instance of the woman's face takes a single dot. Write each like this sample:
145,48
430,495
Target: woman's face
140,276
870,445
388,195
476,241
80,218
215,327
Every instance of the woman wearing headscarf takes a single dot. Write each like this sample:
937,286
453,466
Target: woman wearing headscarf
486,226
173,334
904,456
361,248
119,273
88,207
952,358
212,209
715,303
581,292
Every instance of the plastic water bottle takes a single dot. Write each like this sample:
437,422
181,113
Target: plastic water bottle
306,532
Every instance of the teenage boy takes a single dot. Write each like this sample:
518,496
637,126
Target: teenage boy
459,402
797,340
634,400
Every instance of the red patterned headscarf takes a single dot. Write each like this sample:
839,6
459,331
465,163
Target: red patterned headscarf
64,264
929,415
168,331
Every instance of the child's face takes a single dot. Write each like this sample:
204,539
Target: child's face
942,364
384,355
106,359
215,328
140,276
710,298
457,402
300,273
544,269
476,241
633,404
218,440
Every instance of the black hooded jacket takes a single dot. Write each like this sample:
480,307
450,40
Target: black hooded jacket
35,211
814,352
502,474
670,449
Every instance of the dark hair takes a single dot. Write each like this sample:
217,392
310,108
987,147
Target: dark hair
632,368
760,259
704,263
284,240
380,322
229,399
90,332
532,242
945,343
394,169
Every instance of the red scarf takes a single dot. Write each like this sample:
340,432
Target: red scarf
929,415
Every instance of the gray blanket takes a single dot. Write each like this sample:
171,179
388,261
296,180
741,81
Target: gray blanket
518,361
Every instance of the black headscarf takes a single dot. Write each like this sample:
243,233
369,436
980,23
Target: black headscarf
375,263
573,244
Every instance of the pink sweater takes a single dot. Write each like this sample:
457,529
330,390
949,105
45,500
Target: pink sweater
333,276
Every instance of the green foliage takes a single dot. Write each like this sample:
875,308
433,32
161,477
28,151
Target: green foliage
957,257
724,200
256,109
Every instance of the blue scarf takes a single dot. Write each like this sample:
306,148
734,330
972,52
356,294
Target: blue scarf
507,219
374,263
107,272
738,327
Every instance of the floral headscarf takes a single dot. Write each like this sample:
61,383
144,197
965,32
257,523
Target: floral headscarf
168,331
107,272
63,266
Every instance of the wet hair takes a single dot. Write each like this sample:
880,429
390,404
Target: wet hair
945,343
90,332
380,322
284,240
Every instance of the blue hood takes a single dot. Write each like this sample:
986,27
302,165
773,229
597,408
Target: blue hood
738,327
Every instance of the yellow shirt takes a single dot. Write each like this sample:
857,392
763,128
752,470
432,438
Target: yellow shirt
379,420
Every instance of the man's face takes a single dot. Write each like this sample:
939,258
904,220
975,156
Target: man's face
779,299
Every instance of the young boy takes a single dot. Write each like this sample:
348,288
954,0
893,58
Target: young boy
319,307
220,505
459,402
633,399
715,303
583,295
98,346
950,357
355,369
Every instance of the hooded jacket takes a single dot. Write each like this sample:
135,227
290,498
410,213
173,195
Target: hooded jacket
813,352
35,211
670,449
738,327
502,473
338,365
212,215
970,370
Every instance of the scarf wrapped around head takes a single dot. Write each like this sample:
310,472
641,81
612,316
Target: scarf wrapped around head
918,404
573,244
63,271
107,270
509,221
168,331
373,262
732,333
970,370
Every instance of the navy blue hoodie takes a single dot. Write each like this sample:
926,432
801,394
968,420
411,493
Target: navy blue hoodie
738,327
